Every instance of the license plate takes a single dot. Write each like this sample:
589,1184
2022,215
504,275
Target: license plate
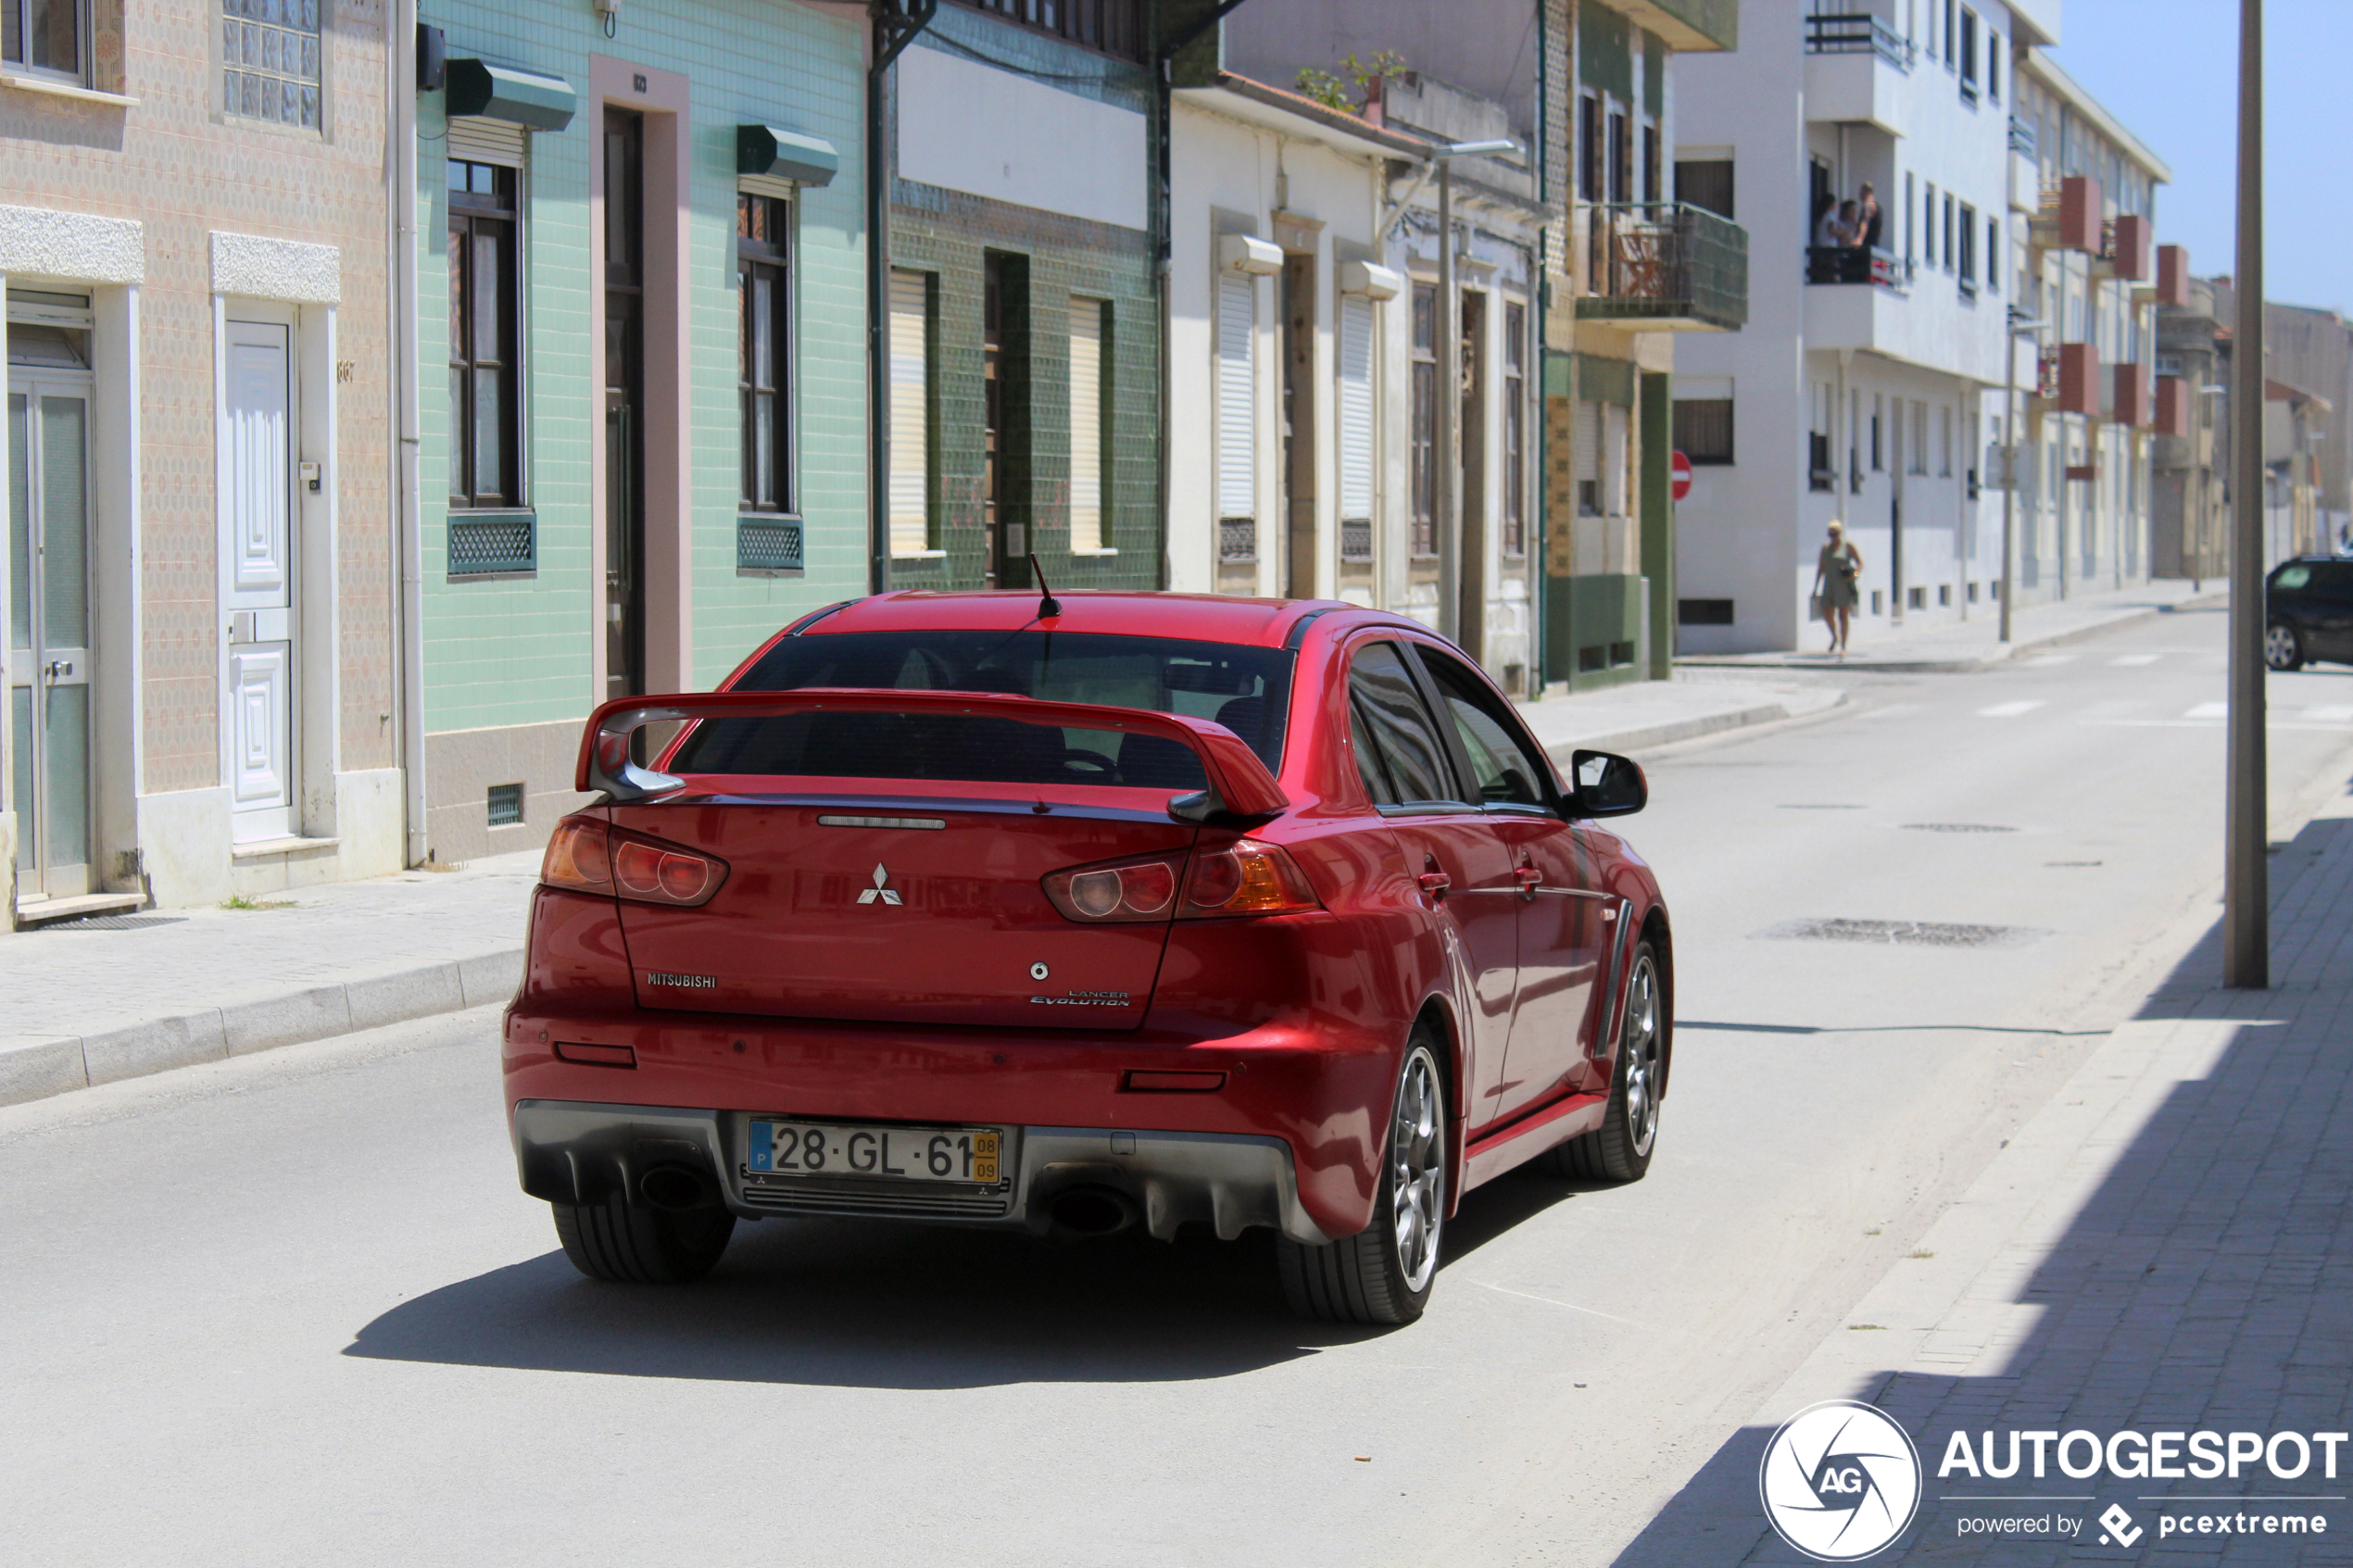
966,1155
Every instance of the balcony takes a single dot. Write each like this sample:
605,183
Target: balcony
2132,395
1858,34
2124,245
1665,267
2071,215
1852,264
2026,174
2173,277
2079,379
2173,408
1857,71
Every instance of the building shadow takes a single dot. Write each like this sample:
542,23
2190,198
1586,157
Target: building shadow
2206,1283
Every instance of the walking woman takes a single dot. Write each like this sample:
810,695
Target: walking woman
1836,573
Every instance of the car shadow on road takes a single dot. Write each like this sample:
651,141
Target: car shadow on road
839,1304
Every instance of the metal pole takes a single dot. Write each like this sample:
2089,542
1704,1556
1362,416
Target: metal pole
1450,387
2245,893
2009,479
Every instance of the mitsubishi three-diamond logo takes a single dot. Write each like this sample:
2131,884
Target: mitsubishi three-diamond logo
1840,1481
880,890
2120,1529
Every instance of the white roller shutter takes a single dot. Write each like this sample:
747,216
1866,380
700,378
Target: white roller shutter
1236,398
910,413
1086,424
1355,407
478,140
1616,454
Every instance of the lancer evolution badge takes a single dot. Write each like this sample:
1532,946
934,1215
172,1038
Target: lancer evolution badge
881,889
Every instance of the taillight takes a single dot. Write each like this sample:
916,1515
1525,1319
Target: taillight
587,855
577,857
1130,890
1245,878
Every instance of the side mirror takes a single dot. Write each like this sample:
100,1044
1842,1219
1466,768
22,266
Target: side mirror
1605,785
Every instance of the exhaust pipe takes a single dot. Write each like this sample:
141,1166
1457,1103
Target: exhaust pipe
677,1188
1091,1211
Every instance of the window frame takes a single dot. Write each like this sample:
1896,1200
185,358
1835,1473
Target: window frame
774,258
1421,479
1442,757
1698,453
80,76
1514,433
312,84
1097,420
467,215
1432,664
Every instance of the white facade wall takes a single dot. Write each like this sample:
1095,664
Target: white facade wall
1831,353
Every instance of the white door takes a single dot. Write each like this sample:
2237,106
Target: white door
49,616
257,587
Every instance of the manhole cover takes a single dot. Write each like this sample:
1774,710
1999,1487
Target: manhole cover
115,923
1901,932
1956,827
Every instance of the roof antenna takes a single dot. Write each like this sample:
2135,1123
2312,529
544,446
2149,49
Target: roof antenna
1047,604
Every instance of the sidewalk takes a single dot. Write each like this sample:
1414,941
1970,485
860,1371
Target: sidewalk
2166,1246
1947,647
1642,714
90,1002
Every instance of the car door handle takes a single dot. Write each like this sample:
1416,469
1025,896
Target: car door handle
1435,884
1529,878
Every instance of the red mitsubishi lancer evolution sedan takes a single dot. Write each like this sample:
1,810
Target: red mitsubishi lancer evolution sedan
1126,908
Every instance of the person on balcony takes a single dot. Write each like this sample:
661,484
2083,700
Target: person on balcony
1837,571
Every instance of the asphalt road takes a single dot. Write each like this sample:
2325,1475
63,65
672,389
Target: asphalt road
290,1309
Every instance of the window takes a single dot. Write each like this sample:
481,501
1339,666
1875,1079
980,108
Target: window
1705,182
1514,429
1705,612
1617,454
1855,440
1114,26
1969,248
1819,474
1951,32
1944,443
1946,248
1908,252
1505,770
1237,418
1409,761
1651,189
44,36
1992,256
1879,408
1588,144
911,358
1090,421
763,349
1354,415
1915,461
1704,429
270,57
1968,56
1621,158
1928,224
504,805
1992,65
1425,416
485,309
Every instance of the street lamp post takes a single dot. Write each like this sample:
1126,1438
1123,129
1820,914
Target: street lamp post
2009,479
2246,876
1454,618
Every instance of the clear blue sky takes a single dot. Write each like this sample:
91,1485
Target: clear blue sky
2168,68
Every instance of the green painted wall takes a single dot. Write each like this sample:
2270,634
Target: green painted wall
949,234
518,650
1657,416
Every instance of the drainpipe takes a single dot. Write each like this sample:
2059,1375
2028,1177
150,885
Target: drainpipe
896,24
407,536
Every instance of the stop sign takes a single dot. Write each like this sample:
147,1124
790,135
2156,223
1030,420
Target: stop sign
1680,467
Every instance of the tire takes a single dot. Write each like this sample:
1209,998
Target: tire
1383,1274
1620,1149
613,1241
2282,647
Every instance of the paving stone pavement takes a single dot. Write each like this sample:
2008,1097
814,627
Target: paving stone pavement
2166,1246
83,1002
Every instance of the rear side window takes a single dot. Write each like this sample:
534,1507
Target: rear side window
2333,580
1390,711
1507,773
2293,577
1246,689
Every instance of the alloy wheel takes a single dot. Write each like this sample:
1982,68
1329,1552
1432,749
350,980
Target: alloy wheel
1417,1170
1639,1046
2278,647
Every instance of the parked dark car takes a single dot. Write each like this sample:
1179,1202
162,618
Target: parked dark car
2309,613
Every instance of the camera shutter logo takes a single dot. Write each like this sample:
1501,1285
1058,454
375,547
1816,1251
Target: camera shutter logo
1840,1481
2119,1525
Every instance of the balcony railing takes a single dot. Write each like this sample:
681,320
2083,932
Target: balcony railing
1853,264
2022,137
1858,34
1669,263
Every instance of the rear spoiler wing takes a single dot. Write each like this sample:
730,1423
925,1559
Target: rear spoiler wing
1240,784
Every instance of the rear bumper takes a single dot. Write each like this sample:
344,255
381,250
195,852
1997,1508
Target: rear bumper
575,1151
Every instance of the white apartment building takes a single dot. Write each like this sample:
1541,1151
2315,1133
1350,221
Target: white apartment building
1868,386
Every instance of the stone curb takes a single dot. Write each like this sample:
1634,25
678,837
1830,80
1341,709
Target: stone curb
1646,737
36,1067
2000,654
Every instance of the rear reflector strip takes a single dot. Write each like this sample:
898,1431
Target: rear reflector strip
1174,1083
596,1055
832,821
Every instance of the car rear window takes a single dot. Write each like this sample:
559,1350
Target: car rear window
1246,689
